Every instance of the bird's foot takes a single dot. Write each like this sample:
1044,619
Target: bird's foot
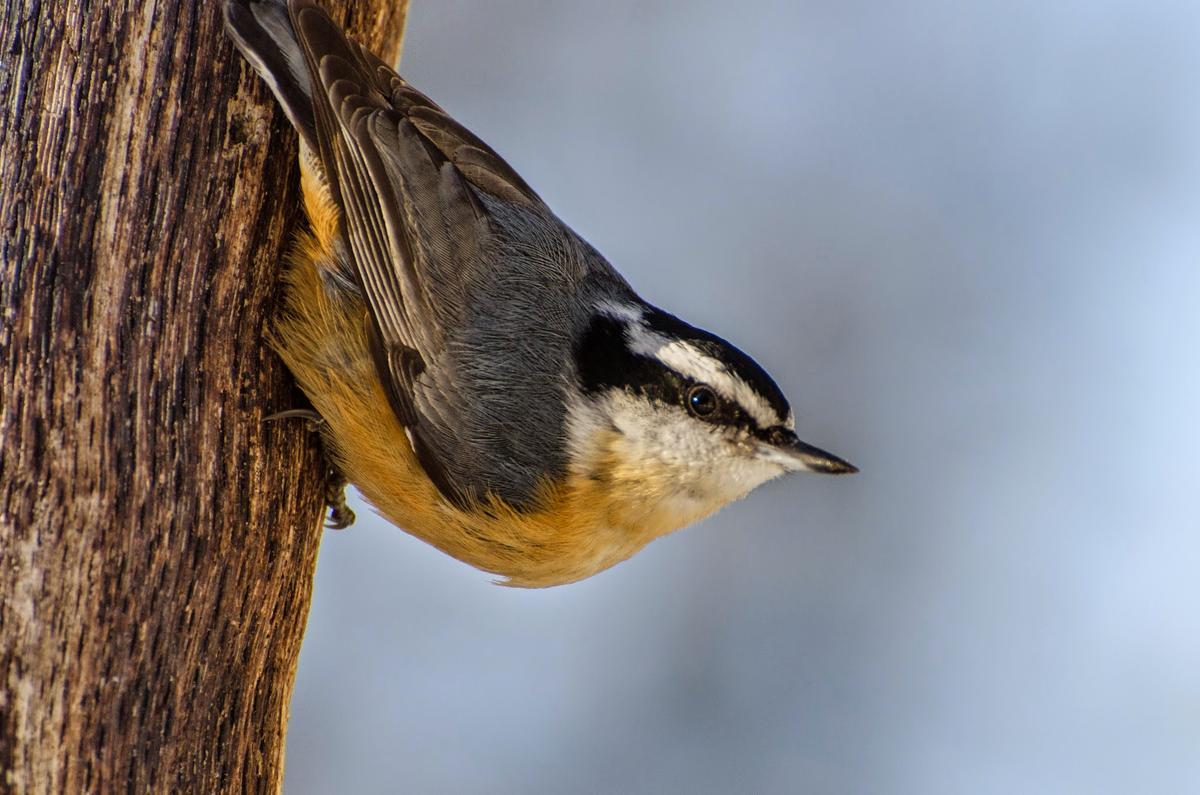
340,515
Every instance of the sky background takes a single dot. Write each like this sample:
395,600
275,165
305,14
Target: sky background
965,238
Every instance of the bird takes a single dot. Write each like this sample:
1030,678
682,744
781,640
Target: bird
481,373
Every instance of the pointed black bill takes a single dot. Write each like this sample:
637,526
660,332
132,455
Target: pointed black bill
784,448
814,459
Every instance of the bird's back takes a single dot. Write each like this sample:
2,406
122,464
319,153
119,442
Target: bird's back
474,289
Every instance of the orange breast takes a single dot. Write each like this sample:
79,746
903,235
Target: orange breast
583,525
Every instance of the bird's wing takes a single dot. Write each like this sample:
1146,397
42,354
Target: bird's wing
411,183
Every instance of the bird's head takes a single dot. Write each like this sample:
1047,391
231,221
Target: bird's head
676,421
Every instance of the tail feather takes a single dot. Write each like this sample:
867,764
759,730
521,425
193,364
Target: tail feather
262,30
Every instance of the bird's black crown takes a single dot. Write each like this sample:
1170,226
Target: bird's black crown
606,360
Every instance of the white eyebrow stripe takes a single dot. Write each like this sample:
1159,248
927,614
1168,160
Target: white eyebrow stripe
688,360
630,314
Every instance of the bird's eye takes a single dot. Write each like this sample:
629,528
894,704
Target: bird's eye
701,401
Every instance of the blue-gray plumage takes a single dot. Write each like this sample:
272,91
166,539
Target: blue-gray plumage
562,421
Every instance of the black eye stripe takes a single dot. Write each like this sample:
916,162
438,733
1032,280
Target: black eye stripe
604,361
735,360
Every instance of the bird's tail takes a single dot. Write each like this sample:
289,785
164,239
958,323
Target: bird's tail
263,31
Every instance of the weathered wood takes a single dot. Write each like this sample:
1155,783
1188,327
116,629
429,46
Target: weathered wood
157,538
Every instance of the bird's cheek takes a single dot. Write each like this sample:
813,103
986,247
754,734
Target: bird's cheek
746,473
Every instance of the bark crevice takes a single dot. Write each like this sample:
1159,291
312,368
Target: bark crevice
157,538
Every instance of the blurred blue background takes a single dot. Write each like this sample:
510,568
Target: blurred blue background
965,237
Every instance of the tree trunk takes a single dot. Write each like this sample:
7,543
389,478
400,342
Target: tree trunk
157,537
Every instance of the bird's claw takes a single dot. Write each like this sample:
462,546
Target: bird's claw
340,514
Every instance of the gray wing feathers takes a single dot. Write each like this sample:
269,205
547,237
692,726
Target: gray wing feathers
263,32
471,282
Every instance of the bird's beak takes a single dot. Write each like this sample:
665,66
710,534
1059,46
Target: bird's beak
797,456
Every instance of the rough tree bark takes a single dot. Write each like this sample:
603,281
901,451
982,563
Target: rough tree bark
157,539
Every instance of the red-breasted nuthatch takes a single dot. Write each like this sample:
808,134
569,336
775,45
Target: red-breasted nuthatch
488,381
